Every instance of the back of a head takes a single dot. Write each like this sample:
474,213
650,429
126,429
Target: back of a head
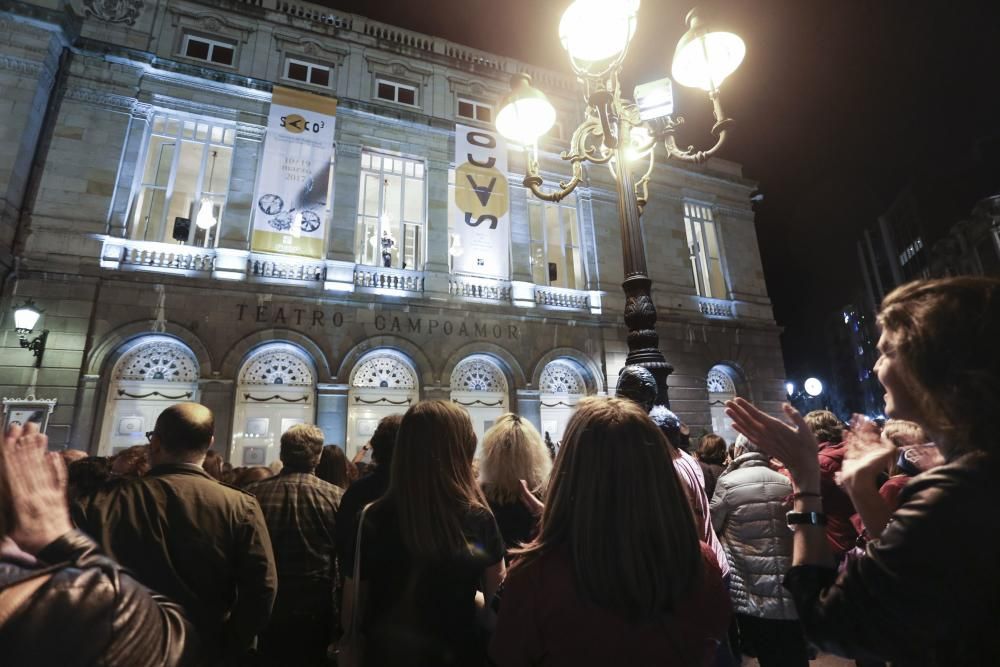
185,429
383,440
712,449
432,484
744,446
213,464
131,462
616,503
332,466
945,335
512,450
250,475
301,447
826,426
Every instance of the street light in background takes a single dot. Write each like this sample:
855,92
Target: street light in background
809,397
25,318
623,134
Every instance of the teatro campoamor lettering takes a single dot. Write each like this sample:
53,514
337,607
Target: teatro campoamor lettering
383,322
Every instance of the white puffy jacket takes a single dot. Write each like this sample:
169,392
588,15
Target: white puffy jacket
748,511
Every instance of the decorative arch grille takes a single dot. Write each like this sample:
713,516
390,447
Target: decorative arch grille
719,382
478,374
277,366
161,360
559,377
385,371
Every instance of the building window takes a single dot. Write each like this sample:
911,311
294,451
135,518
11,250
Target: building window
391,211
396,92
209,50
474,110
704,247
300,70
186,163
555,259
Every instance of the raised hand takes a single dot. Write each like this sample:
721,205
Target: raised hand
528,499
792,443
868,454
37,482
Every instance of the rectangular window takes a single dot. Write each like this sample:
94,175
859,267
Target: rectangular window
185,170
392,211
306,72
396,92
474,110
556,259
705,253
209,50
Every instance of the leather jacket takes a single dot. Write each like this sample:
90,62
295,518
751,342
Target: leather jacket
748,511
927,592
91,612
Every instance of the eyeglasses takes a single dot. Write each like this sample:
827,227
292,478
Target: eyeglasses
149,435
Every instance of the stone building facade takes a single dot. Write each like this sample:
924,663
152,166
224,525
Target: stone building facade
122,118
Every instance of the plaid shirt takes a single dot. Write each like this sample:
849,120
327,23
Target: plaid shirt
300,510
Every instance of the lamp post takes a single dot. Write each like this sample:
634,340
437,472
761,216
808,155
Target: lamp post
617,131
25,318
809,395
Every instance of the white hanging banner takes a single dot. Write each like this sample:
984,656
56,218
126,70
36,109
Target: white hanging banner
482,197
291,202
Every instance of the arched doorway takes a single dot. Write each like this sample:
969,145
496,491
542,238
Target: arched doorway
721,388
153,373
479,385
561,386
276,389
383,383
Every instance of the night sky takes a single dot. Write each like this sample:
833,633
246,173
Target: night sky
837,105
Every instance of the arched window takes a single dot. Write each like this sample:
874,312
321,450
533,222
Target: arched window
721,388
479,385
561,386
383,383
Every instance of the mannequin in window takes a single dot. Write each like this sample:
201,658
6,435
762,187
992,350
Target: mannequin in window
388,247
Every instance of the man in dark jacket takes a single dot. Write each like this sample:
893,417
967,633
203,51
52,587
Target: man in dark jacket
186,535
300,510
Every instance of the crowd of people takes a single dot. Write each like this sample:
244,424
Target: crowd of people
617,546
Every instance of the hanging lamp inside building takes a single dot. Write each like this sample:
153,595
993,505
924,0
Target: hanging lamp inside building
206,214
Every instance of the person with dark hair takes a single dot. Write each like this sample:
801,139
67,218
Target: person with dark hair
213,464
333,467
300,510
368,489
131,462
617,575
426,547
87,476
711,455
63,602
748,512
926,591
186,535
244,477
828,430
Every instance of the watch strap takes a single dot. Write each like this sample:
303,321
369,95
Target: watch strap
805,519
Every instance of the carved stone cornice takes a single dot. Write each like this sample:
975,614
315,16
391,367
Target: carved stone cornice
102,98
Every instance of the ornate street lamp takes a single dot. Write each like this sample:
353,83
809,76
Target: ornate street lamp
619,132
25,318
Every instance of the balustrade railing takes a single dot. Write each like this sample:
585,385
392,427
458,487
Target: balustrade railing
157,256
478,288
719,308
562,298
388,279
263,266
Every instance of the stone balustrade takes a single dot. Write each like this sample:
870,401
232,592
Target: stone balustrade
717,308
285,268
562,298
380,278
479,288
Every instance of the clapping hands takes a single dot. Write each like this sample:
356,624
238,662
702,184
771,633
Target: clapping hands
791,442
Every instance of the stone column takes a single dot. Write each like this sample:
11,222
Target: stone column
234,229
529,406
331,412
86,422
347,182
437,268
131,163
219,396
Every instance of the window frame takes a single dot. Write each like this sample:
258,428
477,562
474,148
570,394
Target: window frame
397,224
310,67
397,85
212,44
219,197
570,202
476,106
700,258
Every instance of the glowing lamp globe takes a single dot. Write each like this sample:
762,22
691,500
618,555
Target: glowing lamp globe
813,387
525,114
596,30
789,388
704,58
206,216
26,317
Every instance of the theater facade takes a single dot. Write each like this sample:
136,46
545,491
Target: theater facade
292,215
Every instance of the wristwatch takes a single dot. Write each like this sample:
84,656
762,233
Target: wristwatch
794,519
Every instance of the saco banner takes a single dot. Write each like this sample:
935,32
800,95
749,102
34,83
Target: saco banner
482,198
290,201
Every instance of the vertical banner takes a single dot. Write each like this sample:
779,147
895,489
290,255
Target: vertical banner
482,198
290,202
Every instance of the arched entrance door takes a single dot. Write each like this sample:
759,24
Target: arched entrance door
153,373
561,386
383,383
479,385
721,388
276,389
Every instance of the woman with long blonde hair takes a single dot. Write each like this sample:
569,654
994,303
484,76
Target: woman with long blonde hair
513,451
617,575
426,547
